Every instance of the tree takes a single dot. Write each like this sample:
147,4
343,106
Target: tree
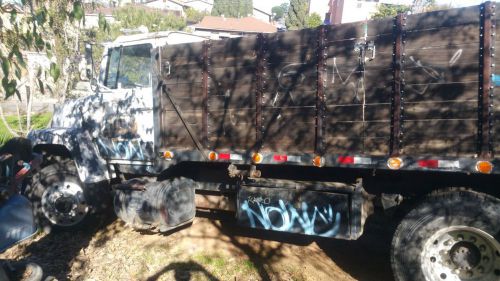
130,17
32,26
194,16
389,10
297,14
279,11
417,6
232,8
313,20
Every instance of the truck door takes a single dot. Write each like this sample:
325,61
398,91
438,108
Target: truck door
126,132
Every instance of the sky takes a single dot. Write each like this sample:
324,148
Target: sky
268,4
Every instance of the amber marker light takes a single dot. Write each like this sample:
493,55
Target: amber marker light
394,163
257,158
484,167
213,156
318,161
168,154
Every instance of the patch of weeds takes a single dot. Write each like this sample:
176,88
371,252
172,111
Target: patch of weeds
38,121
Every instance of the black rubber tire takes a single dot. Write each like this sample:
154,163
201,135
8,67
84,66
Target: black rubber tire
438,211
16,270
96,196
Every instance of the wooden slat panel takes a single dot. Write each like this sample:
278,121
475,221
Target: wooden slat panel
445,18
355,112
231,128
443,110
174,134
449,137
371,146
451,36
441,91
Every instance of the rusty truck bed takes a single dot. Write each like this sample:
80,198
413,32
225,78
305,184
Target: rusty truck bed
415,87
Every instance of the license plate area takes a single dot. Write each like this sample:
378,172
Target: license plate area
317,213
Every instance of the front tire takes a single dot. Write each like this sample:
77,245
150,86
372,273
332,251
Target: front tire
60,200
452,235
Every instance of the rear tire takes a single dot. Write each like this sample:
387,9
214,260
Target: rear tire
61,201
452,235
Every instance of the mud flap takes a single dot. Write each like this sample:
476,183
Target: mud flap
160,205
317,213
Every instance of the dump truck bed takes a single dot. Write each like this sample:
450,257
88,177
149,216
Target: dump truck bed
416,87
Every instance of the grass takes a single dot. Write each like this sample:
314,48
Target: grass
38,121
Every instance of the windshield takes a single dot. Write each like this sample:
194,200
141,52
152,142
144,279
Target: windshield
129,67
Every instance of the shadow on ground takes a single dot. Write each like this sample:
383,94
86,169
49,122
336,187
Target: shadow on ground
57,253
365,259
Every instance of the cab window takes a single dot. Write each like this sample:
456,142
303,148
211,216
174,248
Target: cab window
129,67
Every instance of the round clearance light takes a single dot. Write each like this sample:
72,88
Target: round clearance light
213,156
394,163
484,167
168,154
318,161
257,158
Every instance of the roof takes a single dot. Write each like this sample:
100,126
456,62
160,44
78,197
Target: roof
148,37
246,24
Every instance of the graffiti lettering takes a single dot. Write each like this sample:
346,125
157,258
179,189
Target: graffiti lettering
259,199
126,149
308,219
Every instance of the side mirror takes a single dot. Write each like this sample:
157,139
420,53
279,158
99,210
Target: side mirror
89,61
93,84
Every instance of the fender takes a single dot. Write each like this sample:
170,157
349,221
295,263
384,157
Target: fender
90,165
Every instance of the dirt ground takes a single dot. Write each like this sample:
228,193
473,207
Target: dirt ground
212,248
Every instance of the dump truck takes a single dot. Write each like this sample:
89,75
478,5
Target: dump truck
307,132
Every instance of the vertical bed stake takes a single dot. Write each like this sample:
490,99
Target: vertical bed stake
259,88
205,92
486,85
397,105
319,147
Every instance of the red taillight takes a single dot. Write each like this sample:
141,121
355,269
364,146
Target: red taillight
224,156
428,163
280,158
345,160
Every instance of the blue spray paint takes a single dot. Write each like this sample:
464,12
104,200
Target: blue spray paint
292,219
128,150
496,79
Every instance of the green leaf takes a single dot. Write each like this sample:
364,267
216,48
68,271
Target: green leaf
41,16
9,87
54,71
19,56
27,38
5,67
39,43
78,10
41,86
13,16
17,71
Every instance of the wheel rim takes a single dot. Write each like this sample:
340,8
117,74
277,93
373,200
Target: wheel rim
64,204
461,253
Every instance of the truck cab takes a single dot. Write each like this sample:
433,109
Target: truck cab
112,126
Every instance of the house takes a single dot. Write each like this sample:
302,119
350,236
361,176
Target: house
200,5
342,11
176,6
222,27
